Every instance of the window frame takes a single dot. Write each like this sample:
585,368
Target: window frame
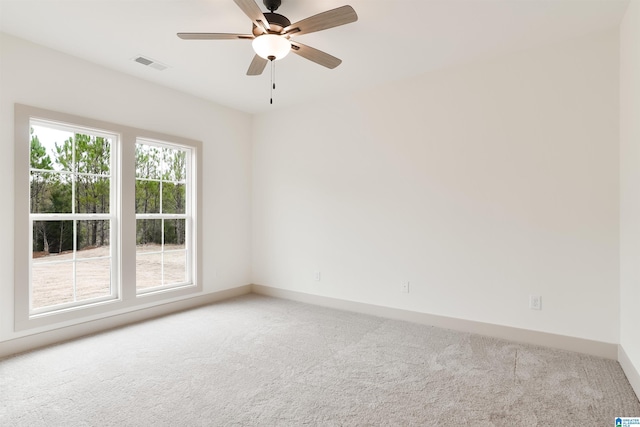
123,212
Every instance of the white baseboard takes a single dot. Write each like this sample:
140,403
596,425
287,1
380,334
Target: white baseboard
595,348
580,345
43,339
629,370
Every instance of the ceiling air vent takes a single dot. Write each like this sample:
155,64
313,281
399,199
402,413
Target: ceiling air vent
150,63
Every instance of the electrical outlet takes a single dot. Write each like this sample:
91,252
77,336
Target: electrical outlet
535,302
316,276
404,288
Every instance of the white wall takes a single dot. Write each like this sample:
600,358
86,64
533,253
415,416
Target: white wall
37,76
480,185
630,188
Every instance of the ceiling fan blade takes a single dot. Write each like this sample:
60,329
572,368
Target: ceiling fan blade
315,55
214,36
251,9
257,66
322,21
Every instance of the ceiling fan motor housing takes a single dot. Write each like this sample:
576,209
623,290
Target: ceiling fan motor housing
272,4
276,21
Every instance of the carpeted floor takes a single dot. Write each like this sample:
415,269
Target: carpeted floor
263,361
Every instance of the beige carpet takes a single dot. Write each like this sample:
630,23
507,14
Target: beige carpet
263,361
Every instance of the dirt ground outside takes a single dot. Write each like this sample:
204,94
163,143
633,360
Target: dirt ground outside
52,275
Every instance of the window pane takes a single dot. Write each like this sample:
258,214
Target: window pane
50,192
51,148
147,196
93,154
92,194
173,198
175,267
51,284
52,237
40,192
92,239
148,270
174,167
93,279
148,161
174,233
148,235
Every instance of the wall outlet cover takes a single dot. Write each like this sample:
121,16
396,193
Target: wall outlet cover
535,302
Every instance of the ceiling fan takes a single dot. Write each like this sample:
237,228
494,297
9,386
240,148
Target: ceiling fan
272,34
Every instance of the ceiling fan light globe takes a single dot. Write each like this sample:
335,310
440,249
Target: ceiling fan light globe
271,45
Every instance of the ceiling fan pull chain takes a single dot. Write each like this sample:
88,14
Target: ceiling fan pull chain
273,72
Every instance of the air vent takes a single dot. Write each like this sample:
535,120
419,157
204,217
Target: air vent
150,63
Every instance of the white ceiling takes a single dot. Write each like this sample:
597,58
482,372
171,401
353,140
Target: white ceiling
393,39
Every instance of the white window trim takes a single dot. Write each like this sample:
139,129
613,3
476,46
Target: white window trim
125,218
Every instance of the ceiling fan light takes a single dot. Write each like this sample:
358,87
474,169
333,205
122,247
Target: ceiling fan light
268,45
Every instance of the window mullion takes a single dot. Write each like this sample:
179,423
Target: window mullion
70,217
75,253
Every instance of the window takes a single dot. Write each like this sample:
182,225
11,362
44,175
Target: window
162,216
106,217
70,199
